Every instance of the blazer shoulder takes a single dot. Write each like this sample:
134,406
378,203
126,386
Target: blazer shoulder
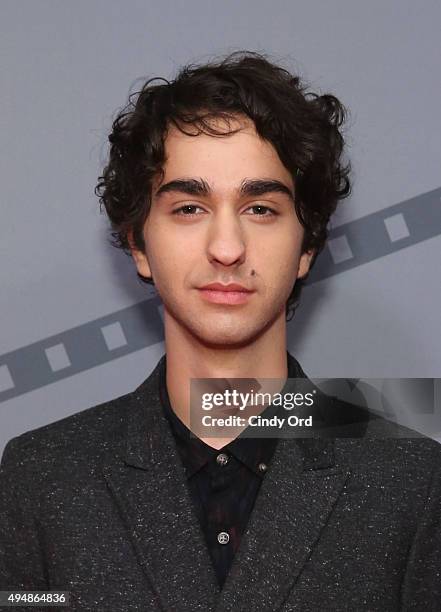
382,444
84,435
76,442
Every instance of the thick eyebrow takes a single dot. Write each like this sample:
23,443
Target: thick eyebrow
248,187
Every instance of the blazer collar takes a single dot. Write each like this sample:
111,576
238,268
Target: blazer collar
147,429
148,432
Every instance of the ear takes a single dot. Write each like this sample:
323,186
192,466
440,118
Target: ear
305,263
139,257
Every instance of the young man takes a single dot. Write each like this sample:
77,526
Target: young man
220,184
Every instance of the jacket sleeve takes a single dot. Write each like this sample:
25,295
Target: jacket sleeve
21,558
421,588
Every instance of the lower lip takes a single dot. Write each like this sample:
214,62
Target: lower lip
225,297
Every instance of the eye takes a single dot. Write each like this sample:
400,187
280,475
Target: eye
262,211
188,210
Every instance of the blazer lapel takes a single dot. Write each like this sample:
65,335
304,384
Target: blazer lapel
294,503
149,486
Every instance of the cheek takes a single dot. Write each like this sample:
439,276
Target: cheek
165,239
159,245
171,258
168,264
280,255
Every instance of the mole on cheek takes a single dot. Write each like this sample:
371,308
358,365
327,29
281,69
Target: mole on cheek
252,273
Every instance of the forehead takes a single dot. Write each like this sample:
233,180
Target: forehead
222,160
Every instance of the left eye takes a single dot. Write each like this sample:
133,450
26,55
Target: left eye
262,211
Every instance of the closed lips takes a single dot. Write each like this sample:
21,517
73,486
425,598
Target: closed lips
230,287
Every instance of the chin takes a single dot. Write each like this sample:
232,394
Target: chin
223,329
229,335
219,341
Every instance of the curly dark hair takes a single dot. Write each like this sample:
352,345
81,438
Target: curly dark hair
302,126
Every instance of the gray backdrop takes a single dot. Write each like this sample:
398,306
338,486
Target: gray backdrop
77,327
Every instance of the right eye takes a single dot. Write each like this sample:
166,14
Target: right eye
187,210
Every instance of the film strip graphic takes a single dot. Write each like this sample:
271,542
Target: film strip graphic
140,326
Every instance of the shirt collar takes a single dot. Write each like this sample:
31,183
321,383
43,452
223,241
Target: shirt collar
196,454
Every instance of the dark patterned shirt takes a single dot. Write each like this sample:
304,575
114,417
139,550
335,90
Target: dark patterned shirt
223,483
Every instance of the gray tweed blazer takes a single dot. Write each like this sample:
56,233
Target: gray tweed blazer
97,504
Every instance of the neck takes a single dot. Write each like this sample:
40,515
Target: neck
187,357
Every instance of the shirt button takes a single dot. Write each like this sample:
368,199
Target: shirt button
262,467
222,459
223,537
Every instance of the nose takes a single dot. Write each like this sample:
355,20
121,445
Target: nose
226,244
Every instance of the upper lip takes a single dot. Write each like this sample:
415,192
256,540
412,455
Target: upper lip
221,287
